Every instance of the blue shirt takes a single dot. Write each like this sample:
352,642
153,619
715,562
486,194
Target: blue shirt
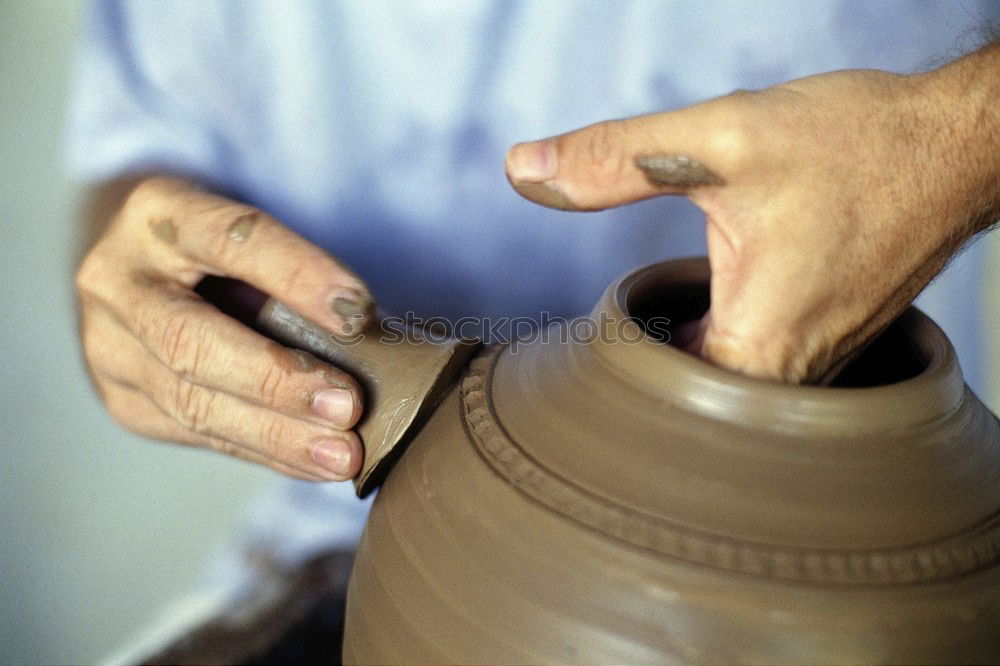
377,129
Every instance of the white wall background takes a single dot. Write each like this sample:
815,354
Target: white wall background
97,528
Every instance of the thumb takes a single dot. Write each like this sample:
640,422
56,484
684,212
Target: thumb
620,161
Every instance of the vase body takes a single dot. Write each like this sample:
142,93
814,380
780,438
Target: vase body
596,495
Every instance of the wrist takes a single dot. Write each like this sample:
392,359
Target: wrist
960,102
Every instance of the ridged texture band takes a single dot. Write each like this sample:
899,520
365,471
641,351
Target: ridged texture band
964,553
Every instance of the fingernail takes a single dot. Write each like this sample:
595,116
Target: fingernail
336,405
333,455
354,307
531,168
532,162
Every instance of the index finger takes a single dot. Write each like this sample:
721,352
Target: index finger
222,237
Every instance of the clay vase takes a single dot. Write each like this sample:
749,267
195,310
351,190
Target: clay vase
604,497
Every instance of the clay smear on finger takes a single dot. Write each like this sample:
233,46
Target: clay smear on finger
677,170
164,229
355,307
241,229
304,360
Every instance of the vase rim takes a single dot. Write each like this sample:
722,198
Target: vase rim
719,394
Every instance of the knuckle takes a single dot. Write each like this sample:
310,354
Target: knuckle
272,381
295,277
274,437
729,145
736,122
86,276
145,198
91,278
603,145
151,192
305,273
225,447
192,406
148,189
184,343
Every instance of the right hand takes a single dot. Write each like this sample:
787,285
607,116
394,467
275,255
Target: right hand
170,366
820,228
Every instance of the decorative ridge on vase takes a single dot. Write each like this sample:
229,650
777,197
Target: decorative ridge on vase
974,549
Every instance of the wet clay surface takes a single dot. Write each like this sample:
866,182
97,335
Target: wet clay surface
620,503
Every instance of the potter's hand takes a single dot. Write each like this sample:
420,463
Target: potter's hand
830,201
170,366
